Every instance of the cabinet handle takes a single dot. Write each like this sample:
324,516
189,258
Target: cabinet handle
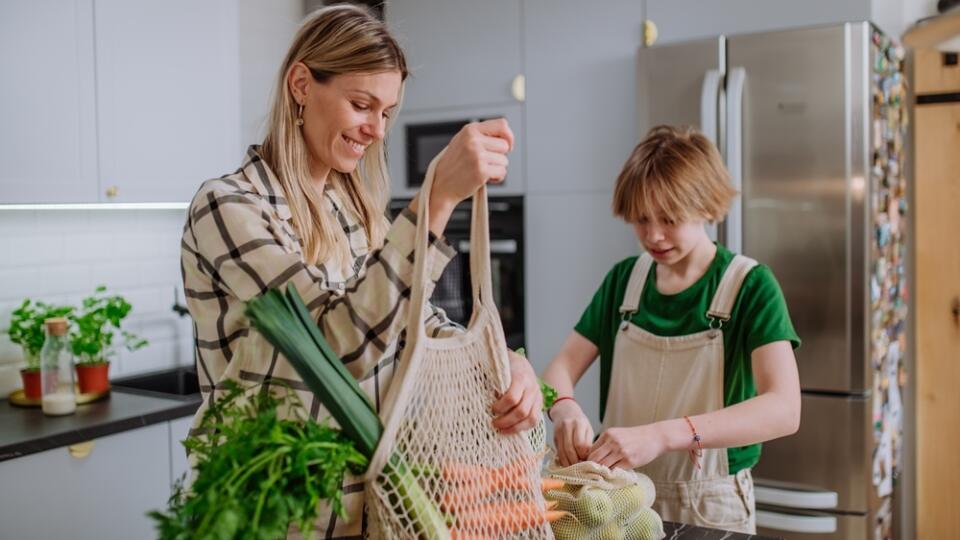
649,33
519,88
955,310
80,450
113,191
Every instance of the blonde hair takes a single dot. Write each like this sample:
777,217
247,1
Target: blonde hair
676,174
334,40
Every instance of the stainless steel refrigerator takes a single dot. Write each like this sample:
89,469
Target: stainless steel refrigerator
811,124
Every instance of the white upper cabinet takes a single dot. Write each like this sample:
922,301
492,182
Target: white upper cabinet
47,102
168,97
117,100
460,53
680,20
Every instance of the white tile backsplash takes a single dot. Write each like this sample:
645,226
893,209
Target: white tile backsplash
61,255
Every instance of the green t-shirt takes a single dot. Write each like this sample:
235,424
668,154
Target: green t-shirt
759,317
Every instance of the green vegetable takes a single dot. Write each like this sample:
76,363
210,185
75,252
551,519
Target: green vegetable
256,473
284,320
549,392
26,327
91,335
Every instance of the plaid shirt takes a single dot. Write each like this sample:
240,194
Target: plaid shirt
239,241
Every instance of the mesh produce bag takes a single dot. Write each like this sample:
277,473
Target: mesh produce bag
604,504
439,447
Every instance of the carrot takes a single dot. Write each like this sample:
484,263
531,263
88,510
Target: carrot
546,484
505,518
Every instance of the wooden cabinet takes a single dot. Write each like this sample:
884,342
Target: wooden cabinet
460,53
101,491
936,129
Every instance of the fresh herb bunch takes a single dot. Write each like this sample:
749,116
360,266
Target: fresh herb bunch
91,337
549,392
27,330
257,473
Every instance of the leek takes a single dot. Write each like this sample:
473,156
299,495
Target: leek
285,322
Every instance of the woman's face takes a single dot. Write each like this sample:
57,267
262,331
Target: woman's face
344,115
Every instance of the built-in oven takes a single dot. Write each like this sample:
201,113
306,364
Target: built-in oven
453,292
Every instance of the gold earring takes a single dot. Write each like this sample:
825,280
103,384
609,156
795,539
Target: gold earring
300,117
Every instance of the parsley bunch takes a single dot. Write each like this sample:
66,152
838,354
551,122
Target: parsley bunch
257,473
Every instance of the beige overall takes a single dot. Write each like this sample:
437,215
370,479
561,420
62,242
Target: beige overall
659,378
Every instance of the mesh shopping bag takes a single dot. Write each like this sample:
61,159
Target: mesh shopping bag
604,504
438,446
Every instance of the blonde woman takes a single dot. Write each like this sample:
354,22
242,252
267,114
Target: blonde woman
307,207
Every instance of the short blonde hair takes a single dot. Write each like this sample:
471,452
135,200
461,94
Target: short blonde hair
674,173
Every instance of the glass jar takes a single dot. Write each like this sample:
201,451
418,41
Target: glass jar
58,394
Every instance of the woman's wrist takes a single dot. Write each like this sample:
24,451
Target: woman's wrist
563,406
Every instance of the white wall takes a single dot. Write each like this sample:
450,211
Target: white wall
60,256
894,17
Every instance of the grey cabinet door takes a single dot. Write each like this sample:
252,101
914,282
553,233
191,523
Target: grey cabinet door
48,132
572,241
680,20
460,52
581,107
103,495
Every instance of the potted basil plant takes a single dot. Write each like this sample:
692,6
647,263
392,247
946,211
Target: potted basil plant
92,332
26,330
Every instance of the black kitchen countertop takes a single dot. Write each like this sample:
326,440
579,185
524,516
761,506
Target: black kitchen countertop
679,531
26,431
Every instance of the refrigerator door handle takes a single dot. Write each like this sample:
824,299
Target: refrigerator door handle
709,97
798,524
736,78
794,498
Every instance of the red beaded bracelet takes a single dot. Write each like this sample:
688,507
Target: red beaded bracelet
697,451
558,400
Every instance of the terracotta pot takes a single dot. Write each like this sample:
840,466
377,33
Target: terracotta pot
31,383
93,377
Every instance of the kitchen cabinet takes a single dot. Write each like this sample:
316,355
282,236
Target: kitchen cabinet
460,53
936,128
47,102
179,429
118,100
101,492
572,241
168,97
681,20
581,112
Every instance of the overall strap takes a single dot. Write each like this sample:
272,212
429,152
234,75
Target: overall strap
638,278
726,295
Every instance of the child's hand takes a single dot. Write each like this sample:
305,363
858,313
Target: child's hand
572,432
628,448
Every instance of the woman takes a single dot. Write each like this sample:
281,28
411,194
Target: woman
306,207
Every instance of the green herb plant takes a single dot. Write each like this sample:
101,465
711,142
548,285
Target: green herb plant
27,329
256,473
94,325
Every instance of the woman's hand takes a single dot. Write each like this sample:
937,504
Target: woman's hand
628,447
572,432
518,409
475,155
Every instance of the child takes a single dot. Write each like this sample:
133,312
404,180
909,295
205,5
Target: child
695,345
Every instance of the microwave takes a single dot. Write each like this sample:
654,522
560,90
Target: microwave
418,136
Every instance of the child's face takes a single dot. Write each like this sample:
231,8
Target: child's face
669,242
